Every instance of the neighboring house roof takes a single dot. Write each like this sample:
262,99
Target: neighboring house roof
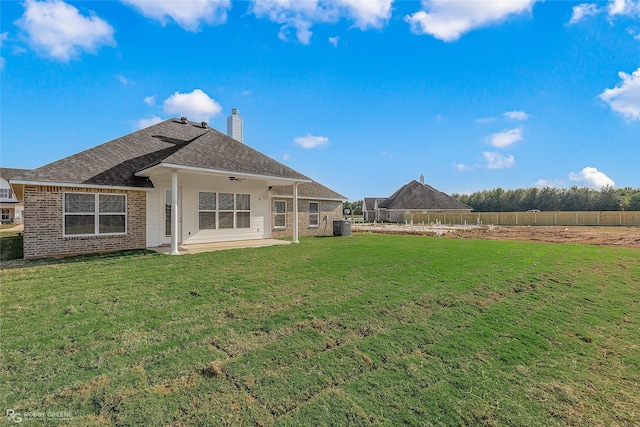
370,203
11,173
416,196
122,161
307,190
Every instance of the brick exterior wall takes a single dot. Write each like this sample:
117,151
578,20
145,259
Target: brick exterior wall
331,209
43,222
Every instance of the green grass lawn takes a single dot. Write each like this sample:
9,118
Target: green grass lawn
360,330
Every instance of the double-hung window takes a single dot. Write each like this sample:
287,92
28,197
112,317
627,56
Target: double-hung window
243,211
94,214
207,211
314,214
5,193
225,214
279,214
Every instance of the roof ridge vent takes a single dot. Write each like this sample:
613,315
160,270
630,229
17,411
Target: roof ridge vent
183,119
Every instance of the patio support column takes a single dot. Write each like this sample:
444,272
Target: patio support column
295,213
174,212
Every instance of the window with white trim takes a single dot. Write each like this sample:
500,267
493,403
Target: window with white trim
243,211
223,210
279,214
94,214
225,214
5,193
206,211
314,214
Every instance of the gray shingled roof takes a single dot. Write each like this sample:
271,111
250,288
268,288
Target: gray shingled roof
370,202
115,163
416,196
307,190
11,173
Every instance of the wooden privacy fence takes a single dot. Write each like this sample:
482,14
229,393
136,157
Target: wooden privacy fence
527,218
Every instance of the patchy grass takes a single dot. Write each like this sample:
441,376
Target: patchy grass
364,330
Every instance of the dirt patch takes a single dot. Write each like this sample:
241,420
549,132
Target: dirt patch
606,236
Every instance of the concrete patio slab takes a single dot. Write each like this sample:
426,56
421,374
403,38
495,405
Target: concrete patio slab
219,246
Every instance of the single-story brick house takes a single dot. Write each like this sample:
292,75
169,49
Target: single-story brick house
412,198
175,182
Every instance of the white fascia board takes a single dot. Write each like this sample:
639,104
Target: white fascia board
146,172
78,185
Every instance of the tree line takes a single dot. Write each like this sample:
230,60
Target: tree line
553,199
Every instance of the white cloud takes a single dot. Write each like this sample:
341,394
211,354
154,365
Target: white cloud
302,15
582,11
592,178
461,167
196,105
516,115
624,7
484,120
311,141
448,20
187,14
246,93
150,100
506,137
58,30
369,13
3,37
552,183
630,8
334,41
496,160
144,123
625,99
286,156
122,79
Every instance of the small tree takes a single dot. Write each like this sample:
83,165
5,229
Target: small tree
632,202
356,207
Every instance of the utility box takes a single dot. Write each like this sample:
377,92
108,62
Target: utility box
342,228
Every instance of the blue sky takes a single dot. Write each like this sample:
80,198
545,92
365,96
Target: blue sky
360,95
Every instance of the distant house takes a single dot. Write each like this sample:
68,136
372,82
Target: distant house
412,198
176,182
11,202
370,207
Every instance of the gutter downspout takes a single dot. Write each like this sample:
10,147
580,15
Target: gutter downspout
295,213
174,212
